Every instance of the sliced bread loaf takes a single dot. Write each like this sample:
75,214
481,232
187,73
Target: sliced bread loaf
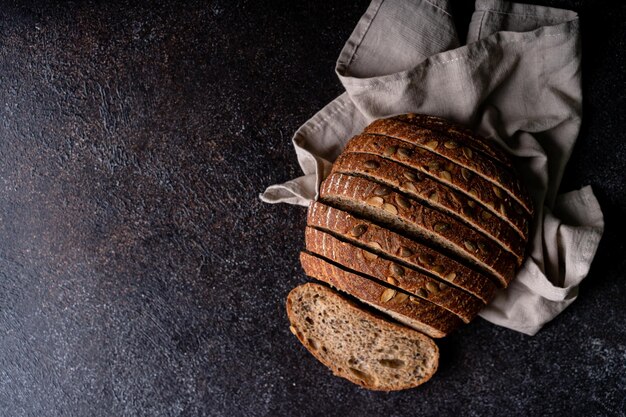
402,250
415,312
358,195
459,302
420,219
363,348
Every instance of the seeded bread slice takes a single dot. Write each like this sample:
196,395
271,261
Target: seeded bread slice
361,347
461,135
447,172
419,314
400,249
438,143
464,305
406,180
357,195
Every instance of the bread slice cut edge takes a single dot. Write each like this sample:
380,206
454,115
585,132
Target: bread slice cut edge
366,349
414,312
408,252
351,194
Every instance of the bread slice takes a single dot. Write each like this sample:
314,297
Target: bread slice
419,314
449,173
438,143
357,345
460,134
464,305
358,195
406,180
402,250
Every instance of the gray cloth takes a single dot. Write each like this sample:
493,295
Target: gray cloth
516,81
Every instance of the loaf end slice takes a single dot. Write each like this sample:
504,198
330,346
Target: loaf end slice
355,344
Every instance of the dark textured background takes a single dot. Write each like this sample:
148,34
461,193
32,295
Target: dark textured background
140,274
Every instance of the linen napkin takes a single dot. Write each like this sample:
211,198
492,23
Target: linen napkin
516,81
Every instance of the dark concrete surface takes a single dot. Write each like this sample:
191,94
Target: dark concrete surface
139,272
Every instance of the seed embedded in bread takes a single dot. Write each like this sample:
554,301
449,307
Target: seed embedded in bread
358,230
413,176
397,270
432,144
425,259
382,191
387,295
376,201
390,150
445,175
375,245
369,255
402,202
372,164
470,246
400,298
390,208
409,186
432,288
404,153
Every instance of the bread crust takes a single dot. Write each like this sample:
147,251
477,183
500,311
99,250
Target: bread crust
396,176
419,314
460,134
400,249
459,302
421,221
435,142
447,172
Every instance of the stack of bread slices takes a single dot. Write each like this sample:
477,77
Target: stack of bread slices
419,220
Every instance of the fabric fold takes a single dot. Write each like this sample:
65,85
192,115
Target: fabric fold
517,81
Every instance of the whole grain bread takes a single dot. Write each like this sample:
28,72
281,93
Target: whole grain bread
361,347
459,302
421,220
447,172
402,250
412,311
358,195
438,143
405,180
